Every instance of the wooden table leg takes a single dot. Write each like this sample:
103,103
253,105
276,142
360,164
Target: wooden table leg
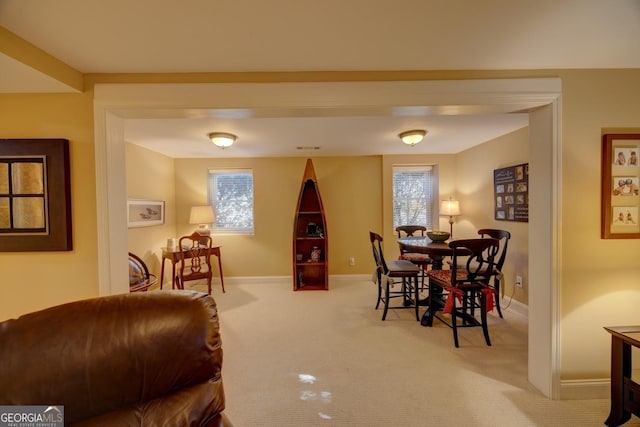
620,368
173,275
220,268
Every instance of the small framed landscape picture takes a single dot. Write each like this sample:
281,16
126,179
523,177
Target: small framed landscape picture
144,213
620,186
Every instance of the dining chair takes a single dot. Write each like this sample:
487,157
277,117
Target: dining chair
503,237
392,273
421,260
195,260
462,291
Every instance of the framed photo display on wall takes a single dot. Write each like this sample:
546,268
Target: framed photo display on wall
511,193
620,186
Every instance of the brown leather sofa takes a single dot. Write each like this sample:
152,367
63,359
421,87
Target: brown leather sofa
140,359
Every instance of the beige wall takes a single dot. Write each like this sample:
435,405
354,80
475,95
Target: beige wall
151,176
35,280
599,286
350,193
474,174
600,278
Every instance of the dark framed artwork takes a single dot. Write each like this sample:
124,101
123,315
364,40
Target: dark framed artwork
620,204
144,213
511,193
35,195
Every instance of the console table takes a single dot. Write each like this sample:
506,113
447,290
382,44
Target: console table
174,254
625,393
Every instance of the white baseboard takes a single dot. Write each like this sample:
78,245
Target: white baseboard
287,279
515,306
585,389
257,279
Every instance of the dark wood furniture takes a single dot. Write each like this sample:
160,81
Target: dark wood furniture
195,260
388,272
310,244
422,260
467,286
174,255
503,237
437,251
625,393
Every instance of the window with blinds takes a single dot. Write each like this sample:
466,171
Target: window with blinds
230,192
413,195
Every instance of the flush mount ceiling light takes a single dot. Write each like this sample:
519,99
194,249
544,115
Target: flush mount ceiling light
222,139
412,137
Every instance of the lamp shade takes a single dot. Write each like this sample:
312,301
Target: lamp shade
412,137
201,215
222,139
450,207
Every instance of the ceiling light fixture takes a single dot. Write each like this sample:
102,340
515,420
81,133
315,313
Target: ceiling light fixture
412,137
222,139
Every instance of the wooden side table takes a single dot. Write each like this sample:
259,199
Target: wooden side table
174,254
625,393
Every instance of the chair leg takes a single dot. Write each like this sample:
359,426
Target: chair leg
483,317
431,306
454,323
496,286
405,301
379,290
416,298
209,285
386,301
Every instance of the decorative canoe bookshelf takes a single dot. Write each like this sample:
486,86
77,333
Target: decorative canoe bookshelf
310,271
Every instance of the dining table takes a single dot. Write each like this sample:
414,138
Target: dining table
437,251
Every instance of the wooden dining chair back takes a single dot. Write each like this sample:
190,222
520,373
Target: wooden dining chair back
465,290
395,272
421,260
503,237
195,260
410,230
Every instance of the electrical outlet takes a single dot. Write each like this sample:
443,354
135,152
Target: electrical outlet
352,261
519,281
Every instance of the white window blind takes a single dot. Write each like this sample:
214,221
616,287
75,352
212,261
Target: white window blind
230,192
413,195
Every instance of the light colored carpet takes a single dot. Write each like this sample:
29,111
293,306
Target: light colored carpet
324,358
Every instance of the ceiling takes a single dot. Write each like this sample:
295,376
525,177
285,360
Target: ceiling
192,36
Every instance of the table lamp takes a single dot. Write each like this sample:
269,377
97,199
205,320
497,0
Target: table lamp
450,208
203,216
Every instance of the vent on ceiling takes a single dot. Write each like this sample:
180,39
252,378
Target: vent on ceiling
307,147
